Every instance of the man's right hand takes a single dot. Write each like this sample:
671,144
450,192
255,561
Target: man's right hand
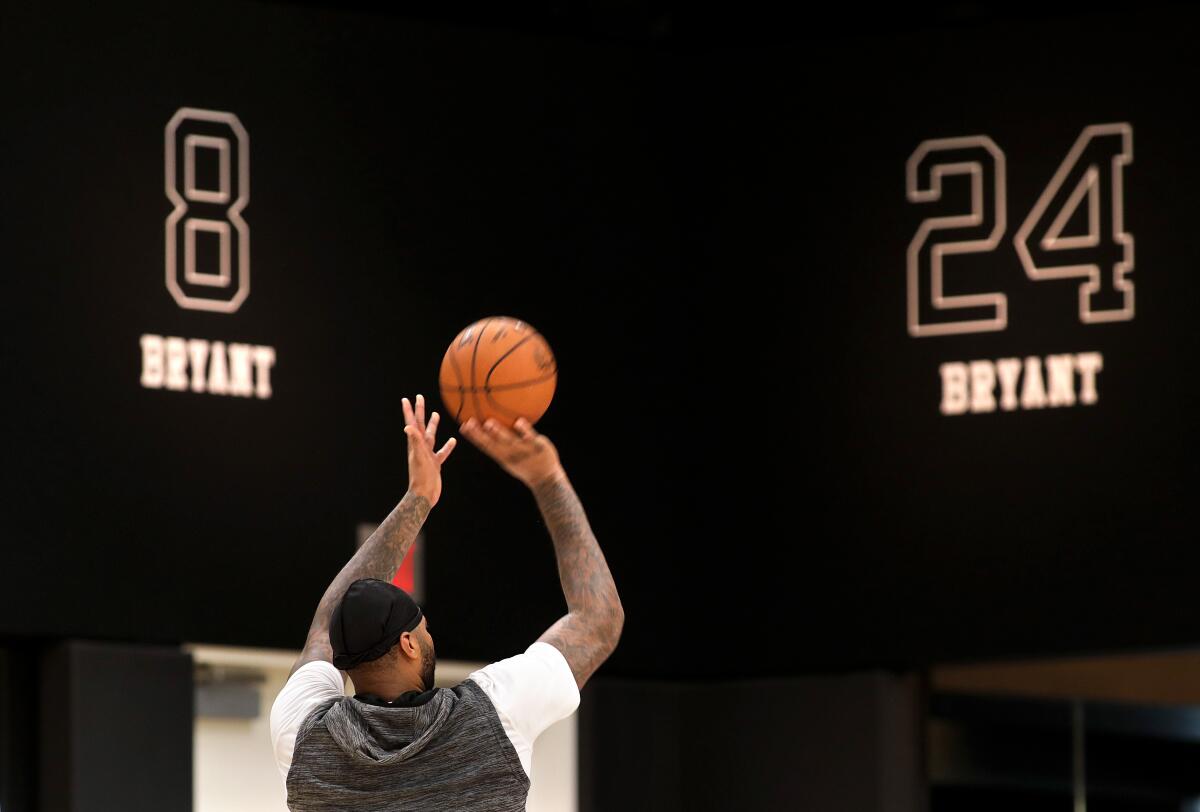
424,463
527,455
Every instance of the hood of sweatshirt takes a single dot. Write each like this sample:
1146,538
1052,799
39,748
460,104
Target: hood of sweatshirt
387,734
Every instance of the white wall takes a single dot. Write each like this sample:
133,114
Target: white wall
234,770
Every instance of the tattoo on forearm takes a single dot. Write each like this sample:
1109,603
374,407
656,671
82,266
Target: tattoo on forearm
379,557
589,631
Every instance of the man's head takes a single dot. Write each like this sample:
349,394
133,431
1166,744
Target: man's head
379,635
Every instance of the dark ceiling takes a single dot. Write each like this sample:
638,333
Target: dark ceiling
744,22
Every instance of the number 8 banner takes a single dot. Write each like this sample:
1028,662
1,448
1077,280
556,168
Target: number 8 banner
208,181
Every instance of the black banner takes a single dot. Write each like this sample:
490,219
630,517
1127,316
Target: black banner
872,349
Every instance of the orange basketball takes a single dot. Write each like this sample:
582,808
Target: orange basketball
498,367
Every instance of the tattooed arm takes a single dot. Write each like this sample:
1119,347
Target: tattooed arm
589,632
384,551
379,557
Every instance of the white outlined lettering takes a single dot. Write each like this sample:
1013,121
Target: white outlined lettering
923,176
208,211
1089,190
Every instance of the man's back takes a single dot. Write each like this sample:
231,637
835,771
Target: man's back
450,752
465,748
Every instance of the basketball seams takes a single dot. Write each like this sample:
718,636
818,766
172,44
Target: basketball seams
541,387
487,381
474,357
498,407
508,387
462,391
488,389
488,394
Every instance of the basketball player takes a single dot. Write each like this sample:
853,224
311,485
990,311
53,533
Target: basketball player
400,743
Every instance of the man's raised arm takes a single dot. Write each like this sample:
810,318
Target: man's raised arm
589,632
384,551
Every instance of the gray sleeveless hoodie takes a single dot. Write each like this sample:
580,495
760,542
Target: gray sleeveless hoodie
450,753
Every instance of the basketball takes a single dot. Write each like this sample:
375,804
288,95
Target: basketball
498,367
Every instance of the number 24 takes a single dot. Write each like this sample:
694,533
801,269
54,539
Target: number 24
1077,182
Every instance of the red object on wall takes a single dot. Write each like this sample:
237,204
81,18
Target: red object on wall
405,577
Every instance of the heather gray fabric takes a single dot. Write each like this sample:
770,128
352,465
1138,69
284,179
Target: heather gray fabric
449,754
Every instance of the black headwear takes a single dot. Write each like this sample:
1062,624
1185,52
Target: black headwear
369,621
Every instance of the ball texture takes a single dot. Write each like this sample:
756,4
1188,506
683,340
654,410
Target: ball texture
498,367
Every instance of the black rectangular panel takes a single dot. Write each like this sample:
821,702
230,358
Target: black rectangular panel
116,728
844,744
18,727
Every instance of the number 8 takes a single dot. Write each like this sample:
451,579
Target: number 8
208,210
